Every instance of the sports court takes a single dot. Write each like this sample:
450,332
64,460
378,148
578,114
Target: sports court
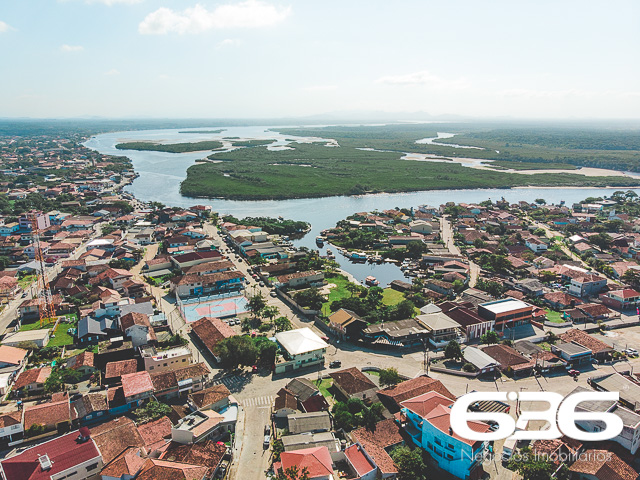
214,307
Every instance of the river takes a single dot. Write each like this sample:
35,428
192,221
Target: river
160,175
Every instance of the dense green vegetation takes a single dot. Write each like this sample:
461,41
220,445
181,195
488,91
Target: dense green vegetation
171,147
504,165
312,170
245,143
273,226
204,131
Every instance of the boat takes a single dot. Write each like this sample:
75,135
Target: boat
319,241
358,256
371,281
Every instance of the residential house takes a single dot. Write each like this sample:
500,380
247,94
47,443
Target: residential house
395,334
215,398
11,429
394,395
346,324
352,383
317,461
12,357
309,422
137,387
594,464
196,285
300,348
482,362
509,360
378,443
32,380
137,327
209,331
506,313
441,328
201,425
624,299
600,350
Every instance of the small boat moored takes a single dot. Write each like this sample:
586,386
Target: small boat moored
371,281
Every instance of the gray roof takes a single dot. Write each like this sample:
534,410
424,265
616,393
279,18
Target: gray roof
144,307
614,382
309,422
527,348
478,358
94,326
571,348
629,418
437,321
302,388
310,440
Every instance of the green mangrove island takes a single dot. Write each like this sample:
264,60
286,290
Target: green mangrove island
171,147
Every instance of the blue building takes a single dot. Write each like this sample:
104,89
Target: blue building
426,419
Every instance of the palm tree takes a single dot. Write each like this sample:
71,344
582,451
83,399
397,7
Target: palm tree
270,312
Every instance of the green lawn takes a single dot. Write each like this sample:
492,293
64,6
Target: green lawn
555,317
324,386
337,293
25,281
62,337
32,325
392,297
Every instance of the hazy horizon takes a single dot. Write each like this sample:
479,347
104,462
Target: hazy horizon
269,59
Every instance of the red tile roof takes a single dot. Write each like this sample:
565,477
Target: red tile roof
35,375
210,331
85,359
207,454
128,462
50,413
358,460
425,403
162,470
136,383
352,381
209,396
316,460
134,318
385,435
604,465
414,387
154,433
64,453
115,436
10,418
586,340
119,368
440,417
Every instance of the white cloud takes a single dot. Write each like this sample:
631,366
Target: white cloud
425,78
71,48
5,27
110,3
248,14
112,72
228,42
319,88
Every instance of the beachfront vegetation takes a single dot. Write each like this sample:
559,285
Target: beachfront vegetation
171,147
273,226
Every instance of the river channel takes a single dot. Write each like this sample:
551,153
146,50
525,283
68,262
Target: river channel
160,175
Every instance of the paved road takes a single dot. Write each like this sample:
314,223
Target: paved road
449,241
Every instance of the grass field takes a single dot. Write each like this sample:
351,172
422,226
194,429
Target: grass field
324,386
313,170
27,280
337,293
391,296
554,317
62,337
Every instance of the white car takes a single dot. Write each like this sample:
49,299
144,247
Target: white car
632,352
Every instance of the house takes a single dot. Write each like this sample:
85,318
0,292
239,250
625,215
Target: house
11,429
170,383
196,285
506,313
83,363
394,395
170,359
317,461
32,380
207,454
115,370
311,440
346,324
572,353
137,387
482,362
9,287
12,357
201,425
377,444
395,334
300,348
300,279
209,331
560,300
628,438
73,456
594,464
600,350
137,327
154,469
155,434
426,419
351,383
359,463
115,437
535,245
51,415
465,314
92,330
309,422
90,408
582,282
509,360
421,226
441,328
624,299
215,397
628,389
285,403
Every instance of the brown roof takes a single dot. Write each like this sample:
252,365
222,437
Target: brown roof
126,463
162,470
50,413
352,381
10,418
169,379
508,357
208,454
285,399
586,340
35,375
113,437
209,396
121,367
85,359
153,433
136,383
134,318
210,331
604,465
385,435
89,403
12,355
414,387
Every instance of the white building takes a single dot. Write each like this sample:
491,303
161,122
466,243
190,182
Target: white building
301,348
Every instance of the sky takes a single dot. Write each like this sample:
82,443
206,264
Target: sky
278,58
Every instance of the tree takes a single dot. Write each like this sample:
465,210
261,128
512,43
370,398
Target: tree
458,285
372,415
292,473
410,464
601,240
152,410
237,351
452,350
490,337
256,303
271,312
374,296
541,201
389,376
631,276
546,276
530,466
344,420
266,349
282,324
355,405
310,298
352,288
404,309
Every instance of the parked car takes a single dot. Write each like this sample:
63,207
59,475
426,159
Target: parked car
335,364
573,373
267,441
273,294
267,429
632,352
254,369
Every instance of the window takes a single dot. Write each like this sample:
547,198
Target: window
165,365
93,466
449,446
449,456
438,441
151,367
184,360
